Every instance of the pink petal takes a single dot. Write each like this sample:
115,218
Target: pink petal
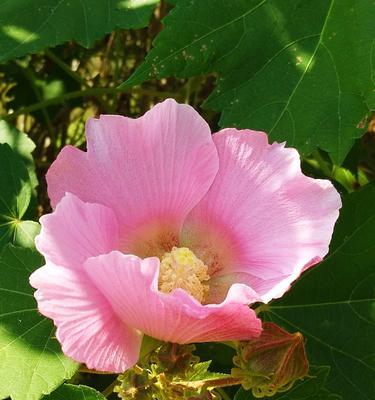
266,289
150,171
261,217
87,328
130,286
71,172
76,231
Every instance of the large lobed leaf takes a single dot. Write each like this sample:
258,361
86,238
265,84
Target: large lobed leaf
31,361
15,193
27,27
300,70
333,305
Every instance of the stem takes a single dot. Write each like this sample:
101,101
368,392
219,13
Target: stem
261,308
322,163
83,93
188,90
85,370
109,389
222,394
116,54
29,75
231,344
211,383
65,67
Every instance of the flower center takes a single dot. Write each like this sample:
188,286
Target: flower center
182,269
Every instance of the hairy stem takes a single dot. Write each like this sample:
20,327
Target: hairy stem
212,383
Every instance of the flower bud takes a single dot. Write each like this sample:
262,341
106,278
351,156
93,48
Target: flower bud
272,362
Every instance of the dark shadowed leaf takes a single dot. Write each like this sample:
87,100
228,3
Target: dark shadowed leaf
333,305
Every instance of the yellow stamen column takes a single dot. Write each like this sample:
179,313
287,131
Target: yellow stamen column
182,269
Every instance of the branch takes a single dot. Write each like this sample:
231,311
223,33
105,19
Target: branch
85,93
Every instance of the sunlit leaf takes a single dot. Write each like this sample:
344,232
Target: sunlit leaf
26,28
21,144
74,392
15,192
300,70
31,361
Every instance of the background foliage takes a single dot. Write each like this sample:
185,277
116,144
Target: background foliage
302,71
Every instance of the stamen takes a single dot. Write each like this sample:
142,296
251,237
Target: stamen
182,269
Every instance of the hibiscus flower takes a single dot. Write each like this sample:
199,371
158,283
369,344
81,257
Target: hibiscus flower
163,229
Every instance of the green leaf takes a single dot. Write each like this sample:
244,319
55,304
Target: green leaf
300,72
24,233
333,305
27,29
21,144
31,361
18,141
311,388
74,392
15,193
200,372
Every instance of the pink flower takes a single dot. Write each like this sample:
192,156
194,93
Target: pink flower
161,228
